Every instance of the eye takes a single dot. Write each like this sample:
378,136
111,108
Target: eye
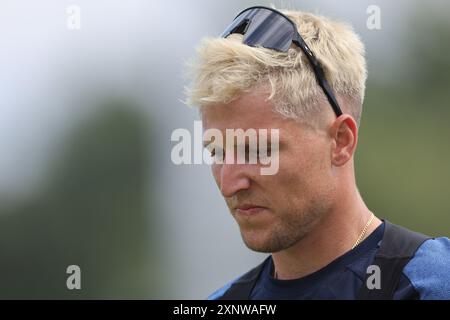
264,152
215,151
251,155
211,149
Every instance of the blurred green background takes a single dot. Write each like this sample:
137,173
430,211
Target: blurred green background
402,164
86,119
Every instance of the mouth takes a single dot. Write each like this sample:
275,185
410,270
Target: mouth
248,209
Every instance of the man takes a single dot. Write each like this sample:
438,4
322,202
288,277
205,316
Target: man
304,75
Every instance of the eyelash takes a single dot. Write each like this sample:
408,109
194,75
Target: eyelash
247,151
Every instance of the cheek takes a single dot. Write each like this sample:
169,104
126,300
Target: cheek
299,175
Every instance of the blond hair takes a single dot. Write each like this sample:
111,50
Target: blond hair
226,69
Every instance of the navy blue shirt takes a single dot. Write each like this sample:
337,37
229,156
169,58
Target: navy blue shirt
426,276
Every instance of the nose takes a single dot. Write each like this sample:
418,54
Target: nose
233,178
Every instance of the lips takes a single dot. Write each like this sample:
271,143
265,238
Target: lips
248,209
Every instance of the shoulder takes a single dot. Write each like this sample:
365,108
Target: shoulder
429,269
240,284
221,291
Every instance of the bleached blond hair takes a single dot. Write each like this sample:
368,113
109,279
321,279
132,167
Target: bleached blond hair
225,69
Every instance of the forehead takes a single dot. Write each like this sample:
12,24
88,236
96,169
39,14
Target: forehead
250,110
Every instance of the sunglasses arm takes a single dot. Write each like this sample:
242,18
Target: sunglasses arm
320,75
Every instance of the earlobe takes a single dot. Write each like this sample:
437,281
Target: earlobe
344,131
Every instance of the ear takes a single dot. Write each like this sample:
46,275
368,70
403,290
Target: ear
344,135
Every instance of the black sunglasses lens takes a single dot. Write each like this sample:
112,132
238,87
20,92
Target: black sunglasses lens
263,27
239,24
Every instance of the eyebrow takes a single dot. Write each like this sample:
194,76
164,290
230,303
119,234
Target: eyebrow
206,143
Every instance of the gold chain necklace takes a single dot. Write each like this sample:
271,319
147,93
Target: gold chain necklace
363,232
361,236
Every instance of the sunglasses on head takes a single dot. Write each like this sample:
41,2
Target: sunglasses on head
271,29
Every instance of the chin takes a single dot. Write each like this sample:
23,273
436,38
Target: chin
272,239
258,242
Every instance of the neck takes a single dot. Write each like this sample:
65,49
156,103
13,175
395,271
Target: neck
331,237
